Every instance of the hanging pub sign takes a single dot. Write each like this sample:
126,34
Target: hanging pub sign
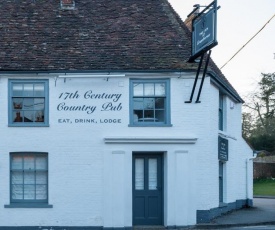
223,149
204,31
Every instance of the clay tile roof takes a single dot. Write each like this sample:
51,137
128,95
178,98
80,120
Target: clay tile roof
97,35
94,35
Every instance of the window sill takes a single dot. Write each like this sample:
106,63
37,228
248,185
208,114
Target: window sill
29,205
150,125
28,125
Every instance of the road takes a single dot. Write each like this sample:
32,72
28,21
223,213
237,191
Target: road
270,227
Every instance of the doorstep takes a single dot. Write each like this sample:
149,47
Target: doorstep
149,227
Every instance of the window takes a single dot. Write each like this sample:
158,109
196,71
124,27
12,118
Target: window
221,111
29,178
149,102
28,103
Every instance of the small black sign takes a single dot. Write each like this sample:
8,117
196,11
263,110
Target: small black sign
223,149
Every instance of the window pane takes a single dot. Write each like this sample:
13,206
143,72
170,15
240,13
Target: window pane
138,103
160,115
28,162
138,115
39,103
149,89
39,116
149,115
159,103
16,162
28,116
152,174
28,90
29,177
17,103
139,174
41,162
17,192
41,178
220,120
29,192
41,192
39,90
17,90
28,104
16,178
138,89
160,89
17,117
149,103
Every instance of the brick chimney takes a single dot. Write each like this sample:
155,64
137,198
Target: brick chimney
67,4
190,17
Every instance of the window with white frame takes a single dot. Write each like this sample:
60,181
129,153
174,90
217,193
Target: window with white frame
149,102
28,177
28,102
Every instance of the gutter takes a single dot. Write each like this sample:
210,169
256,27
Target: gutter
225,88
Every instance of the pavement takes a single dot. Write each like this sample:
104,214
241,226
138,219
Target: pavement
262,213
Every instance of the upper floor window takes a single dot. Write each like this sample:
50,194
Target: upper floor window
149,102
29,177
28,103
221,112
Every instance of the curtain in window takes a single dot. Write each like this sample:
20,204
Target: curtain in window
29,177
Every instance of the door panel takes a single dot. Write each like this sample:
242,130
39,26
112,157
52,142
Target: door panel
147,189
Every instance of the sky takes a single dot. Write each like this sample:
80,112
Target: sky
237,22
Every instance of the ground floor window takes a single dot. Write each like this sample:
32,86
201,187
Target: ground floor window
28,177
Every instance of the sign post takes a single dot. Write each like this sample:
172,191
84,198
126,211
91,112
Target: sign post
203,39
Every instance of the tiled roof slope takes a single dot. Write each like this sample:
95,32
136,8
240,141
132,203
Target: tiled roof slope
98,35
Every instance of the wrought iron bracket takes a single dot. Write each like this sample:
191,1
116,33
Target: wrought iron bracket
197,76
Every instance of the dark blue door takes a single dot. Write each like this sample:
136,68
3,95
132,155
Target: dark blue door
147,189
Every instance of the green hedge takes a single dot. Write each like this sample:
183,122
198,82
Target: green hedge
264,187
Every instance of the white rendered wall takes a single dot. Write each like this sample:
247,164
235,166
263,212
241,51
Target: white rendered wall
90,181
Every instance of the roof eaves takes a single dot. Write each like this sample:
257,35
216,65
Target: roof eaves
216,80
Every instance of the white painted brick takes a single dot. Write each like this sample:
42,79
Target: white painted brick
82,168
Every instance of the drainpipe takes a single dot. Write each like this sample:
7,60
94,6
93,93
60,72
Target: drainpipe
248,179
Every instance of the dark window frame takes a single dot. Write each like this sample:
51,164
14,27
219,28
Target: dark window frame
40,116
166,101
32,202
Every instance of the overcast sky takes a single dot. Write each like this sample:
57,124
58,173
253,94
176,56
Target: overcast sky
238,21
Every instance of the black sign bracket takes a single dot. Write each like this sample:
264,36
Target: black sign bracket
204,38
196,79
203,76
197,76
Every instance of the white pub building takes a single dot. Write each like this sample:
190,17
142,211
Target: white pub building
95,130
